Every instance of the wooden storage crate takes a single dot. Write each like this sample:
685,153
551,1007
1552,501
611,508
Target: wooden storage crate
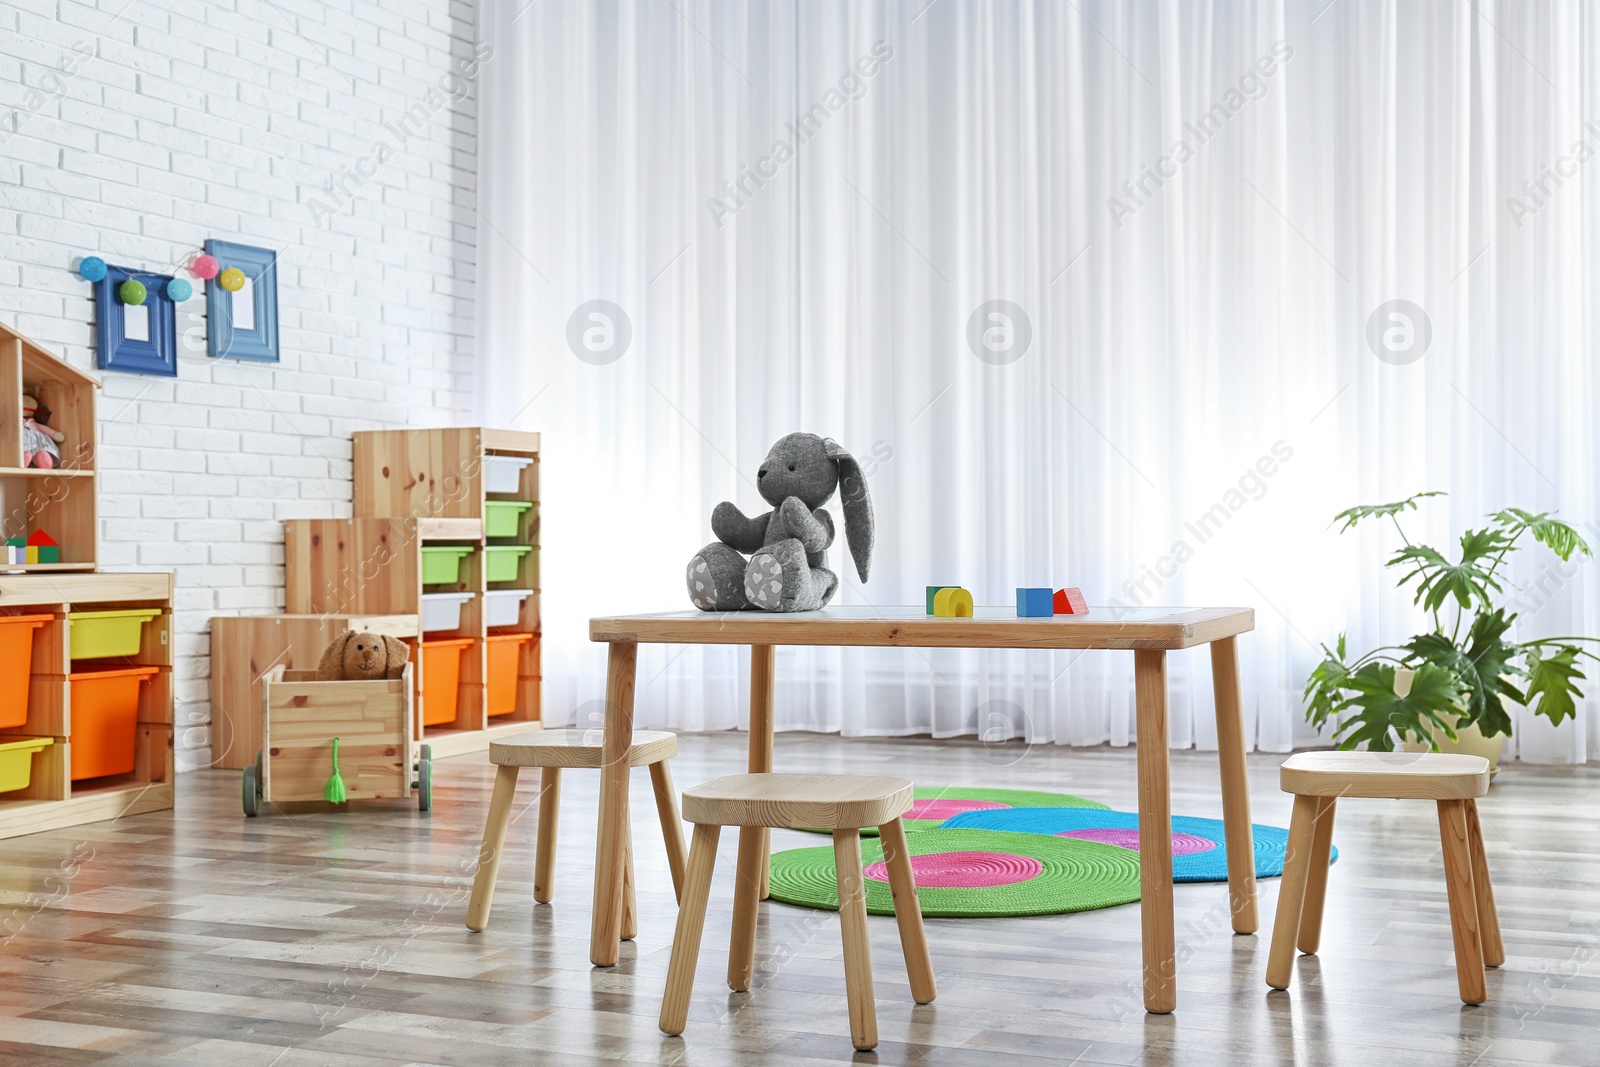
245,647
374,723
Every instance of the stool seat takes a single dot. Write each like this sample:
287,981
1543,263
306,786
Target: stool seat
798,801
1388,775
573,747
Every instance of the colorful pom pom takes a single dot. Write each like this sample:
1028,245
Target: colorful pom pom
179,290
92,268
231,279
206,267
132,292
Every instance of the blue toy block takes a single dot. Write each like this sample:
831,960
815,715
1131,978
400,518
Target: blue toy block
1035,603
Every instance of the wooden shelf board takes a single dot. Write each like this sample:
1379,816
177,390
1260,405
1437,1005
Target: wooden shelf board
41,472
96,803
445,742
29,568
449,529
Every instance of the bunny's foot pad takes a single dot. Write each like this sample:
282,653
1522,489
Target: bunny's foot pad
715,579
764,582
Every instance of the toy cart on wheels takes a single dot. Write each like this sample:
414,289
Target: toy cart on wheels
376,756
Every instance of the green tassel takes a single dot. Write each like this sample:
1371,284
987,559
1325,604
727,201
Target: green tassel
334,792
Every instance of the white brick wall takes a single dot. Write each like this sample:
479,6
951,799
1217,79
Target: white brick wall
134,130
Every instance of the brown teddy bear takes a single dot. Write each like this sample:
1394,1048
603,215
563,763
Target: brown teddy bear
363,657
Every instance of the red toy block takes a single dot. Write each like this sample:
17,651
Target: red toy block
39,539
1069,601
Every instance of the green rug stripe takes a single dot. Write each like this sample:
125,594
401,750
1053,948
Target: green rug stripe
1076,876
1016,798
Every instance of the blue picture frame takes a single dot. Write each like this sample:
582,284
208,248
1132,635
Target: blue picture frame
225,340
114,349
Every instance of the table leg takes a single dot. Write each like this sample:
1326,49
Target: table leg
762,661
1155,832
1235,786
611,835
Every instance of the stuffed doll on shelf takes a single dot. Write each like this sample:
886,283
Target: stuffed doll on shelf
39,440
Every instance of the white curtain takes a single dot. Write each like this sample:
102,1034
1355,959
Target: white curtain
804,210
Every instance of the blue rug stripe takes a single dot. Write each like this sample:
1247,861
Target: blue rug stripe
1272,842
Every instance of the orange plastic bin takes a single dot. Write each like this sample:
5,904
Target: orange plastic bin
16,662
104,711
504,651
441,676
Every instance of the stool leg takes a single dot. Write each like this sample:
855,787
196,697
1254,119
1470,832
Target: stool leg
908,911
544,858
1317,878
857,949
1463,901
494,841
691,923
671,823
630,900
1292,891
1494,949
746,899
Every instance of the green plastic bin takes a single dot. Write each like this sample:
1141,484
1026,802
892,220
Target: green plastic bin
98,634
501,518
441,564
501,561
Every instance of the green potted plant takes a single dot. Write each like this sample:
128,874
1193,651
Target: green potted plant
1458,677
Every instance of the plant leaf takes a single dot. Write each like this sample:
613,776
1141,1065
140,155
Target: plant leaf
1323,686
1551,680
1351,516
1438,579
1431,702
1482,667
1554,534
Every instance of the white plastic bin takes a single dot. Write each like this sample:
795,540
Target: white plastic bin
501,607
503,474
442,611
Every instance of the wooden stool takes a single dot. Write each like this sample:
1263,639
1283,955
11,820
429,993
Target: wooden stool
843,804
1318,779
552,750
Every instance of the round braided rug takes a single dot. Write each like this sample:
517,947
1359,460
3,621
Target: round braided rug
1199,849
972,873
935,804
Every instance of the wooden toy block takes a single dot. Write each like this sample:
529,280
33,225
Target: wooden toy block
32,554
933,591
41,539
952,602
1034,603
42,548
14,554
1069,601
49,553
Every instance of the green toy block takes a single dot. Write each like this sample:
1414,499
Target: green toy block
50,554
933,591
17,542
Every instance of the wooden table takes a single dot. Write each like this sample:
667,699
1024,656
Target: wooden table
1148,632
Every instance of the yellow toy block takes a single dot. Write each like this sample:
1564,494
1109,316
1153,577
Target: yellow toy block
33,554
953,602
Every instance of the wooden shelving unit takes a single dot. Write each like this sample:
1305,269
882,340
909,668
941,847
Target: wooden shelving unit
415,488
60,500
52,800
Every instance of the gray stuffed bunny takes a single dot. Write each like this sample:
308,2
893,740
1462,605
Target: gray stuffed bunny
788,546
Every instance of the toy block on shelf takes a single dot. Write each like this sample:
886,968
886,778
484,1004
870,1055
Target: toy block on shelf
1034,603
952,602
1069,601
42,548
16,550
933,591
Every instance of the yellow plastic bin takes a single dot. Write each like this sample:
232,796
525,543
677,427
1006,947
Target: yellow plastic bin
16,761
98,634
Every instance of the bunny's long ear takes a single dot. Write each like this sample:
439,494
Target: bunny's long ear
858,524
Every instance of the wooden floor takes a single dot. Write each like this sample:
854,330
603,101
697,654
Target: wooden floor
200,937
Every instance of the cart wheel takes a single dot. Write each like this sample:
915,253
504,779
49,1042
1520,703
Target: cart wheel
424,754
260,777
250,792
425,783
